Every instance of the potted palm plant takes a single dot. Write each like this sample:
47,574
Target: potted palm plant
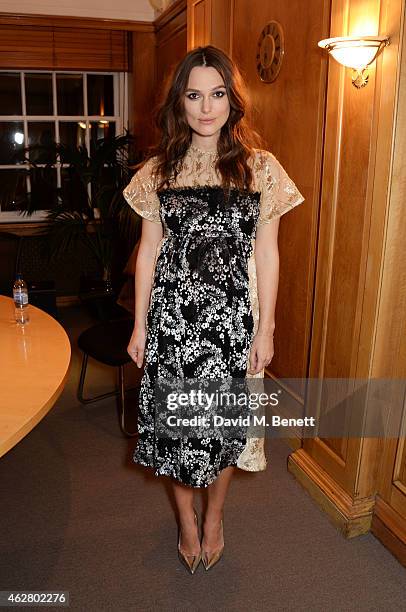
88,206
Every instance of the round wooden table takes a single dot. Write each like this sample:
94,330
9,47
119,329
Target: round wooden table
34,365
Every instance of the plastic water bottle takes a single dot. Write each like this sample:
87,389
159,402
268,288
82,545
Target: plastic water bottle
20,296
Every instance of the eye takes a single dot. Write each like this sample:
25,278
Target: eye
194,93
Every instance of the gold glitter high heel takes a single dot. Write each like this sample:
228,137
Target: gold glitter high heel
191,562
211,559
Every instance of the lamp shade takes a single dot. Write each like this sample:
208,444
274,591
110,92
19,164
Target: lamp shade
354,52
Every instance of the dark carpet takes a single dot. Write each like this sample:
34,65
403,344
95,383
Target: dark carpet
77,515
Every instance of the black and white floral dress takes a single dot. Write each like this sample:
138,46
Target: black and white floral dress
203,311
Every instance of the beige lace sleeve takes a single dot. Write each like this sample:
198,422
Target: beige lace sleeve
141,195
279,193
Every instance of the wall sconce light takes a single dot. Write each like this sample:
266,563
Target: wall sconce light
355,52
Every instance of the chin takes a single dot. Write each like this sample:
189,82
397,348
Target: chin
206,130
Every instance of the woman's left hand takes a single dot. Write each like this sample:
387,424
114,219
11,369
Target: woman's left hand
262,351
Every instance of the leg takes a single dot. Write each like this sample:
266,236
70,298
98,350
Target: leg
212,539
184,497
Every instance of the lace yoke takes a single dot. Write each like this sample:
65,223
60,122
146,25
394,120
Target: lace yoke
279,193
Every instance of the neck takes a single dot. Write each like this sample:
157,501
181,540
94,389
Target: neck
204,144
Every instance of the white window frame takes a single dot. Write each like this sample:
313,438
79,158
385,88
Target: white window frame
120,117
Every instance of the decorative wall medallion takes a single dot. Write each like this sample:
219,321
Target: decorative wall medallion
270,50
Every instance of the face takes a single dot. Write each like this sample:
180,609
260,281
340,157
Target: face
206,98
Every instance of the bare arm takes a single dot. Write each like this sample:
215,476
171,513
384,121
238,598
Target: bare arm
151,235
267,267
267,264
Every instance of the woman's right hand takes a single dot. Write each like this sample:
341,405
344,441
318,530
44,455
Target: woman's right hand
136,346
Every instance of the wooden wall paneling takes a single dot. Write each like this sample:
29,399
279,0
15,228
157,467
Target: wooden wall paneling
389,520
210,23
358,149
171,40
388,228
142,82
344,222
153,56
289,113
390,528
389,347
199,20
222,15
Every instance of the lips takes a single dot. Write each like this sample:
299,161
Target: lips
206,120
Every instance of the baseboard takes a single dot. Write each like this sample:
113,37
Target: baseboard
351,517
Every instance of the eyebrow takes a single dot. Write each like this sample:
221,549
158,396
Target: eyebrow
212,89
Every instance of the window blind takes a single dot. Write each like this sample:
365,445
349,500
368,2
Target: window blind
43,47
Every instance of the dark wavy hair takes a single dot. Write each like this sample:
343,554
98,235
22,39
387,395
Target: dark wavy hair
237,138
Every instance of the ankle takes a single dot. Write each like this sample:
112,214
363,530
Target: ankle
213,539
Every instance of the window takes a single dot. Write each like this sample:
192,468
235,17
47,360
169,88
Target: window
42,107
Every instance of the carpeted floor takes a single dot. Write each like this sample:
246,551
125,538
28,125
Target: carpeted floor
77,515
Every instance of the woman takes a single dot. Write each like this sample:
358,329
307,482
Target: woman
208,196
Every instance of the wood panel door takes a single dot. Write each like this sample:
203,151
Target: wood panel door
289,112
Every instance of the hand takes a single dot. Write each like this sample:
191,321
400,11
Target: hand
136,346
262,351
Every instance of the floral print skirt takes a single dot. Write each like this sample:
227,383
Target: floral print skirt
200,322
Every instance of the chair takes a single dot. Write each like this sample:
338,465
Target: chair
107,342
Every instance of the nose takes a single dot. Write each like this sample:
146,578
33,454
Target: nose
206,105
